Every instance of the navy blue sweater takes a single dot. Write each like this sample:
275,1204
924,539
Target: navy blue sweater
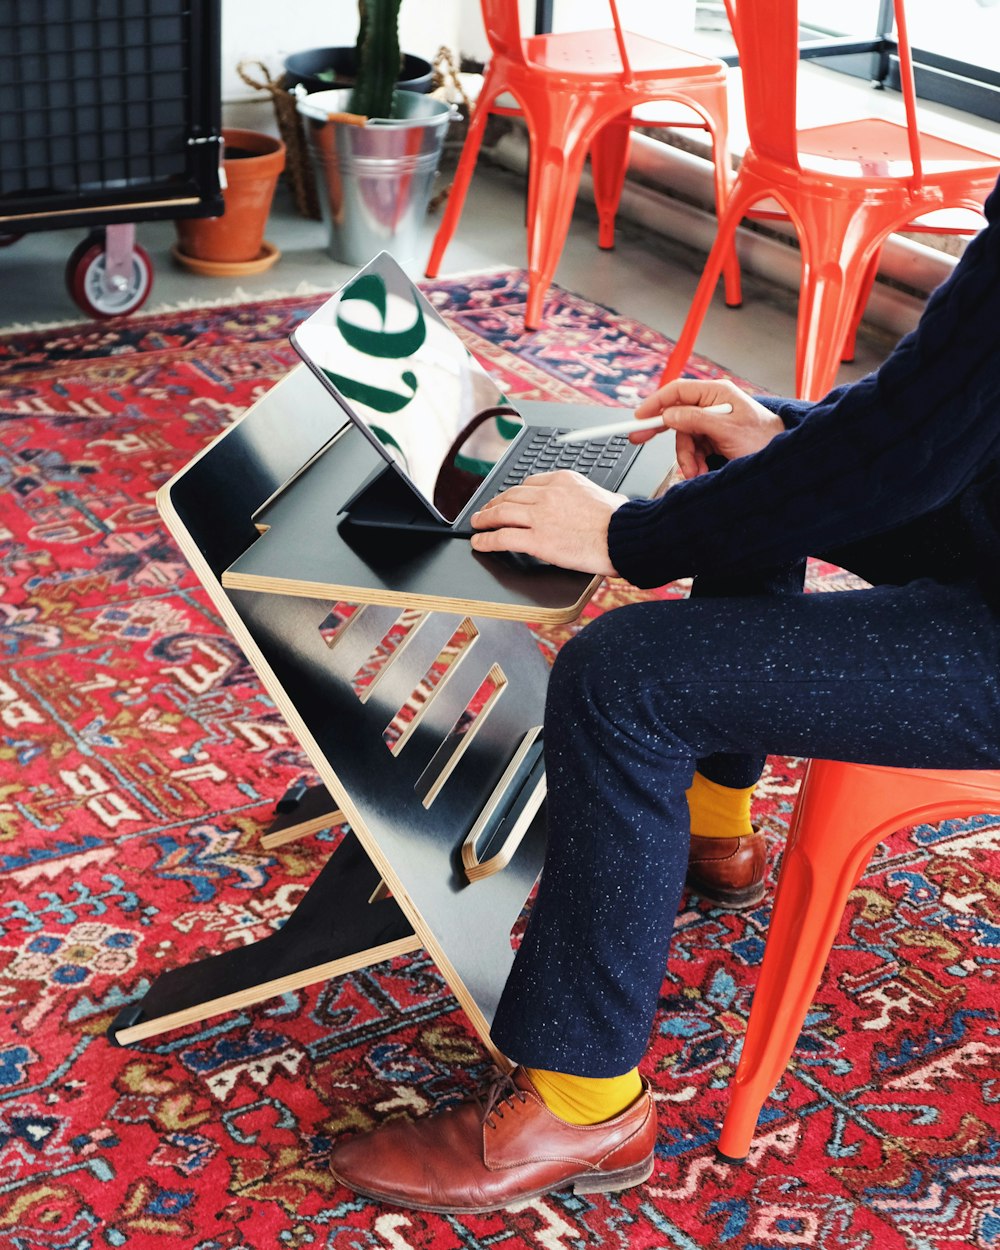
921,432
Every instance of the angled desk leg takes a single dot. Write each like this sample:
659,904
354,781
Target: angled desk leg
335,929
397,882
298,815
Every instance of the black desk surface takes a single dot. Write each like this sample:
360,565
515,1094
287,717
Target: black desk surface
309,550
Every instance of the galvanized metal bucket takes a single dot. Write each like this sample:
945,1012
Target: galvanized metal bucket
375,176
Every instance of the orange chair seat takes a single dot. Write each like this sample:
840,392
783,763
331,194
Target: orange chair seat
591,54
873,148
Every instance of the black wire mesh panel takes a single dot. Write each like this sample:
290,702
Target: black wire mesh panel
108,103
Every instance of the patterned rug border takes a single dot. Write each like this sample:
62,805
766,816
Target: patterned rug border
236,299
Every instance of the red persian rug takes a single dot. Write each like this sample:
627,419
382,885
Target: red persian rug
140,758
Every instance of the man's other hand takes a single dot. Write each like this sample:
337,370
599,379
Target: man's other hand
699,434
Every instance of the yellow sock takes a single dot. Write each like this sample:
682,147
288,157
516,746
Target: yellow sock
585,1099
719,811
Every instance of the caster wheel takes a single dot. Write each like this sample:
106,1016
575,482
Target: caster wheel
98,294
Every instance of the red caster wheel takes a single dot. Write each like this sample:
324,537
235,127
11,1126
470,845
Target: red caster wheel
100,292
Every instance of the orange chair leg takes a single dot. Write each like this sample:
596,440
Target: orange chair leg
808,907
718,127
463,176
608,163
834,261
871,273
736,205
843,810
553,182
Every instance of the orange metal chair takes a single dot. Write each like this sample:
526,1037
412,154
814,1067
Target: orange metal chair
846,187
575,91
842,812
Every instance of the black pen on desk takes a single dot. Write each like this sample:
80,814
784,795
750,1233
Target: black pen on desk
630,427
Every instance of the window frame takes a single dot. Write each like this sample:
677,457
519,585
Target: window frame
962,85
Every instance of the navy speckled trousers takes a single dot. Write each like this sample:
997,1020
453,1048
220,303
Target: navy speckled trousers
902,674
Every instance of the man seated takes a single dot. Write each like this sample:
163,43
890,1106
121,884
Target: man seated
659,714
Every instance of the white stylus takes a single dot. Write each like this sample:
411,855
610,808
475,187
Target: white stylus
627,427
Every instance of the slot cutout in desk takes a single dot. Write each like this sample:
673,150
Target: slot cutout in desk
397,733
389,649
460,737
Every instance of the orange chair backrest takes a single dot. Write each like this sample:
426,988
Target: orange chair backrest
909,91
503,28
766,34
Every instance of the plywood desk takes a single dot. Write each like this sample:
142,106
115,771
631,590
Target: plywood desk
418,700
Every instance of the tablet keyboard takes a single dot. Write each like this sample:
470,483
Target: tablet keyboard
604,460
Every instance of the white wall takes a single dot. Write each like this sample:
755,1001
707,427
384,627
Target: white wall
262,30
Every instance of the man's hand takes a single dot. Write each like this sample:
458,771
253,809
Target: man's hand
748,428
559,517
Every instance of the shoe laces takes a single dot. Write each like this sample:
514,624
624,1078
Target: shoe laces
500,1095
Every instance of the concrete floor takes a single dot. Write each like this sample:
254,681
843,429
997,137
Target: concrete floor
645,276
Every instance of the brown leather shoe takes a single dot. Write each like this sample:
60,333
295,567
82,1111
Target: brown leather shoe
729,872
481,1156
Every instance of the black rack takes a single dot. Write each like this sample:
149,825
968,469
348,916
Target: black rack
109,111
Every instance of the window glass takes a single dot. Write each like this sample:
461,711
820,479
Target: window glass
962,31
847,17
966,30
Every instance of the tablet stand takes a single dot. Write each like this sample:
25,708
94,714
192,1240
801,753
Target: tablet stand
385,501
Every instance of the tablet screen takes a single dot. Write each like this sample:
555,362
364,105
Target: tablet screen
404,376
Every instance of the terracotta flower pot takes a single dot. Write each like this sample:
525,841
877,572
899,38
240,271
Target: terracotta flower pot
252,163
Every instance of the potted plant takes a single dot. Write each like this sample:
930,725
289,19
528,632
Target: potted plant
234,243
325,69
375,147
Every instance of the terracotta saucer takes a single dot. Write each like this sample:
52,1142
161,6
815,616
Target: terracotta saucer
264,259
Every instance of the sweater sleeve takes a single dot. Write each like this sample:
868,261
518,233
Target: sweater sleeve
791,411
868,457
